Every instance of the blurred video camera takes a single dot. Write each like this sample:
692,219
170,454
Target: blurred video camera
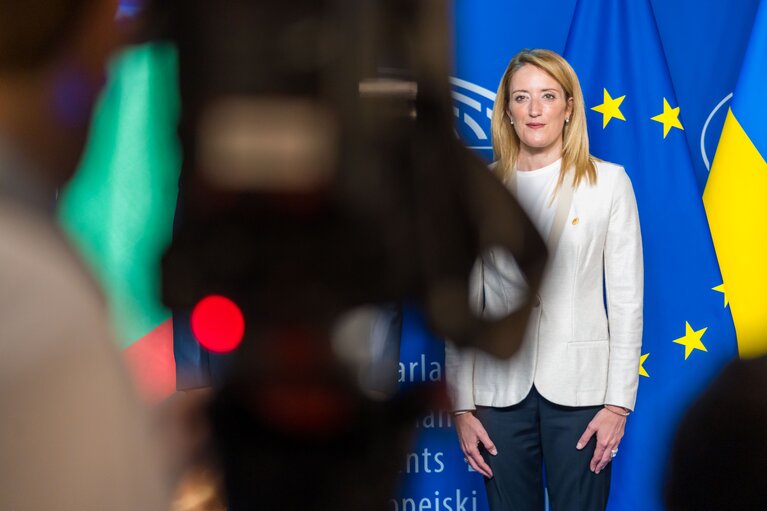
321,170
321,173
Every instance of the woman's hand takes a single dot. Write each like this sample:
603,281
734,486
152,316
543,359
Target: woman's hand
470,433
609,427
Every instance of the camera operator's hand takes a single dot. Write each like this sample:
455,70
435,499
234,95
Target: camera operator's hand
471,433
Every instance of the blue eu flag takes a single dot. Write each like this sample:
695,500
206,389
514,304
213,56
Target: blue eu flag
635,120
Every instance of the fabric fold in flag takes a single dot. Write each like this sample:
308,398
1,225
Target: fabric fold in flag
735,197
634,120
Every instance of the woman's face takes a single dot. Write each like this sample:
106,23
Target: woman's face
539,107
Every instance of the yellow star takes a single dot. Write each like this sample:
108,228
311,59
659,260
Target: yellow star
691,340
642,371
669,118
610,108
720,288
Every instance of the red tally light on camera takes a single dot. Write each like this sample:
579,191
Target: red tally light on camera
218,324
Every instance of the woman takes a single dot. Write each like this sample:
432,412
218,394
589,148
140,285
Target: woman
563,399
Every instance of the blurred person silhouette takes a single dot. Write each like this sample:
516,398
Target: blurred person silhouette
719,457
72,433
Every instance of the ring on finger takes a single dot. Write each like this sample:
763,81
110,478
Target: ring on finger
614,453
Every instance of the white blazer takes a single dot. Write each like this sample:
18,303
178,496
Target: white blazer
575,351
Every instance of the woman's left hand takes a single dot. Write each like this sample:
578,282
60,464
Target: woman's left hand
608,427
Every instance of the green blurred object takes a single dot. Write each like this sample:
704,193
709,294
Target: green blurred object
119,207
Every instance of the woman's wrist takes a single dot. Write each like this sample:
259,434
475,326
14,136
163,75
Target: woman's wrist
618,410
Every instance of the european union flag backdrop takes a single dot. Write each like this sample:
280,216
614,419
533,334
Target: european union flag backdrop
634,120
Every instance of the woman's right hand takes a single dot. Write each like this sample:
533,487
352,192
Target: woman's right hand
471,433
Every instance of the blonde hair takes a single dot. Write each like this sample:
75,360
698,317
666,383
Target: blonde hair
575,144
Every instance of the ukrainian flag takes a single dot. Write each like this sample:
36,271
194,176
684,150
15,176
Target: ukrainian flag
736,197
635,120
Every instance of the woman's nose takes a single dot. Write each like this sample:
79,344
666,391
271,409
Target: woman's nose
535,108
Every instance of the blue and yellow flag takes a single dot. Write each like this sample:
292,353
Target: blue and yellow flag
634,120
735,197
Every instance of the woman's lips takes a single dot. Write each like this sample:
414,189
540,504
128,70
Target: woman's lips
535,125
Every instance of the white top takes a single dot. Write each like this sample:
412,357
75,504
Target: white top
535,189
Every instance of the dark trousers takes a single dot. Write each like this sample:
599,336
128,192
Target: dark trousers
534,433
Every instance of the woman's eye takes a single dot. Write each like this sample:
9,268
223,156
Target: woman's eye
519,98
549,96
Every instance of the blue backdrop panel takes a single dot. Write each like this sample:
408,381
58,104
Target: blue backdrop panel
433,474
